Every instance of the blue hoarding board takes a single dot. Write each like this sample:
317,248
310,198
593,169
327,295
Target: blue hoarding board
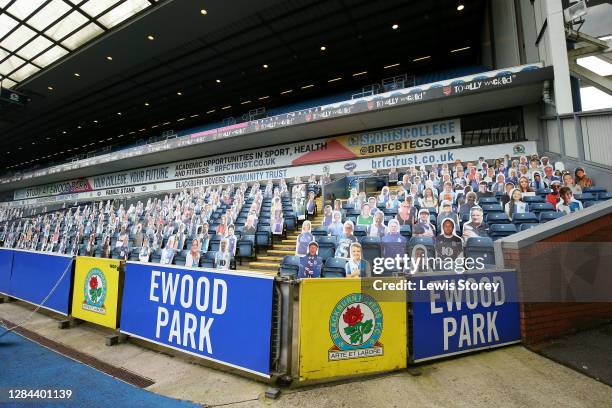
34,276
225,317
6,266
449,318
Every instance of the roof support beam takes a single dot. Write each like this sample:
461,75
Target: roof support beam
602,83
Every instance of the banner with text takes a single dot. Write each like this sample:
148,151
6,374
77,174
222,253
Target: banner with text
222,317
335,167
454,314
405,139
346,332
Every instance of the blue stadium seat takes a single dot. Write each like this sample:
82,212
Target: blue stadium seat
543,191
360,231
188,242
533,199
134,254
465,217
527,225
319,231
208,260
263,236
487,200
353,212
370,248
594,190
425,241
390,211
325,238
115,253
327,247
497,231
497,218
246,247
490,208
334,268
180,258
588,204
605,196
406,231
546,216
290,266
290,222
480,247
585,197
524,218
155,256
539,207
214,242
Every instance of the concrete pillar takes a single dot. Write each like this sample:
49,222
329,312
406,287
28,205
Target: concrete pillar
556,49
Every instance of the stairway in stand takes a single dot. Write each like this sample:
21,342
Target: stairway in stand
268,261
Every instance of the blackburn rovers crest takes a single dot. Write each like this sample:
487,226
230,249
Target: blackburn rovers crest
95,291
355,325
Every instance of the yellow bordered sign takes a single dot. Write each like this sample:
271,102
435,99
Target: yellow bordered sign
346,332
95,296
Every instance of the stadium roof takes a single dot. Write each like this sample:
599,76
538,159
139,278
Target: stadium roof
135,70
36,33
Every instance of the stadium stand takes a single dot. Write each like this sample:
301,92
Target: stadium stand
188,227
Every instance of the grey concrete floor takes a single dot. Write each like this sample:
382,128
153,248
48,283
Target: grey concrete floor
507,377
589,352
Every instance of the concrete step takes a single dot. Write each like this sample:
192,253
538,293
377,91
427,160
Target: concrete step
290,241
281,252
267,272
269,258
285,246
271,266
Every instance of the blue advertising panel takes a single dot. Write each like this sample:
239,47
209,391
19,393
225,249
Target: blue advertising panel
6,266
225,317
453,314
36,273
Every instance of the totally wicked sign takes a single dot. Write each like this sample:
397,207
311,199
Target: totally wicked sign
405,139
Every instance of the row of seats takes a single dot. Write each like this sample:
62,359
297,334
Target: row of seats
475,247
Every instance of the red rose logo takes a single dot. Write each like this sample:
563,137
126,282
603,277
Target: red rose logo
93,282
353,315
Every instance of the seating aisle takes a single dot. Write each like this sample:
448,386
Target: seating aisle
269,261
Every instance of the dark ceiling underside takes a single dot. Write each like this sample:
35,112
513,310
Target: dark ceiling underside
231,43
